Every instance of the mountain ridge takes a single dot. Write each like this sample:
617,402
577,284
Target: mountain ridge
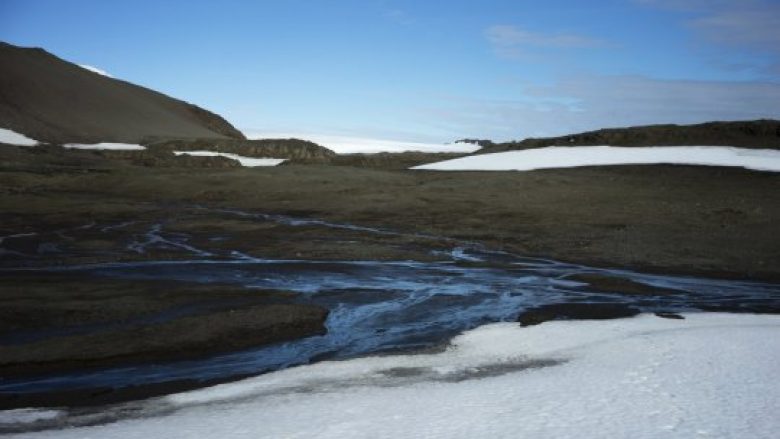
760,133
56,101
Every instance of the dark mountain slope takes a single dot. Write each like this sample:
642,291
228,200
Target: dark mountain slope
746,134
52,100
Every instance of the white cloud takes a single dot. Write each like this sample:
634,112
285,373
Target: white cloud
95,70
505,36
755,27
746,23
515,43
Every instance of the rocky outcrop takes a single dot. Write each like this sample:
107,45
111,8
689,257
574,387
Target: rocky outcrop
55,101
384,160
763,133
291,149
484,143
166,159
575,311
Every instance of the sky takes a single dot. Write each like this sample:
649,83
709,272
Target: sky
428,71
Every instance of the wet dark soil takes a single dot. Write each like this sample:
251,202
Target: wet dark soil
619,285
60,322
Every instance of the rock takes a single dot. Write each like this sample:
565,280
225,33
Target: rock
485,143
575,311
291,149
387,160
669,315
166,159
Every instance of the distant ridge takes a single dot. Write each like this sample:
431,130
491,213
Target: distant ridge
55,101
763,133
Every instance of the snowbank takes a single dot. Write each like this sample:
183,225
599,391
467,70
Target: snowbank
105,146
568,157
94,69
13,138
353,145
245,161
710,375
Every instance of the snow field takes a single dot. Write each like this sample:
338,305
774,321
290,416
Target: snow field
569,157
710,375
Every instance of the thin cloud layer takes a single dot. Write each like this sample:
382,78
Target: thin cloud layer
752,27
751,23
513,42
512,36
587,103
741,82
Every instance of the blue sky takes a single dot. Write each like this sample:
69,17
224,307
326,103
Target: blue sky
428,70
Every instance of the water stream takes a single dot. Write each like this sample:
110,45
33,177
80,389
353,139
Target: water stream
379,306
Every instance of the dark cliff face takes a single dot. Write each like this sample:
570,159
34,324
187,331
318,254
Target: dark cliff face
55,101
745,134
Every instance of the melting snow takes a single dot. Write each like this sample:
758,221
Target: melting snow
710,375
107,146
95,70
245,161
26,416
568,157
14,138
352,145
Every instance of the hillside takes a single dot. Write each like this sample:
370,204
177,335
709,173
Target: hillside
55,101
746,134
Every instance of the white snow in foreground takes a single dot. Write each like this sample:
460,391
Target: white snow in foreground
245,161
95,70
710,375
105,146
569,157
13,138
353,145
